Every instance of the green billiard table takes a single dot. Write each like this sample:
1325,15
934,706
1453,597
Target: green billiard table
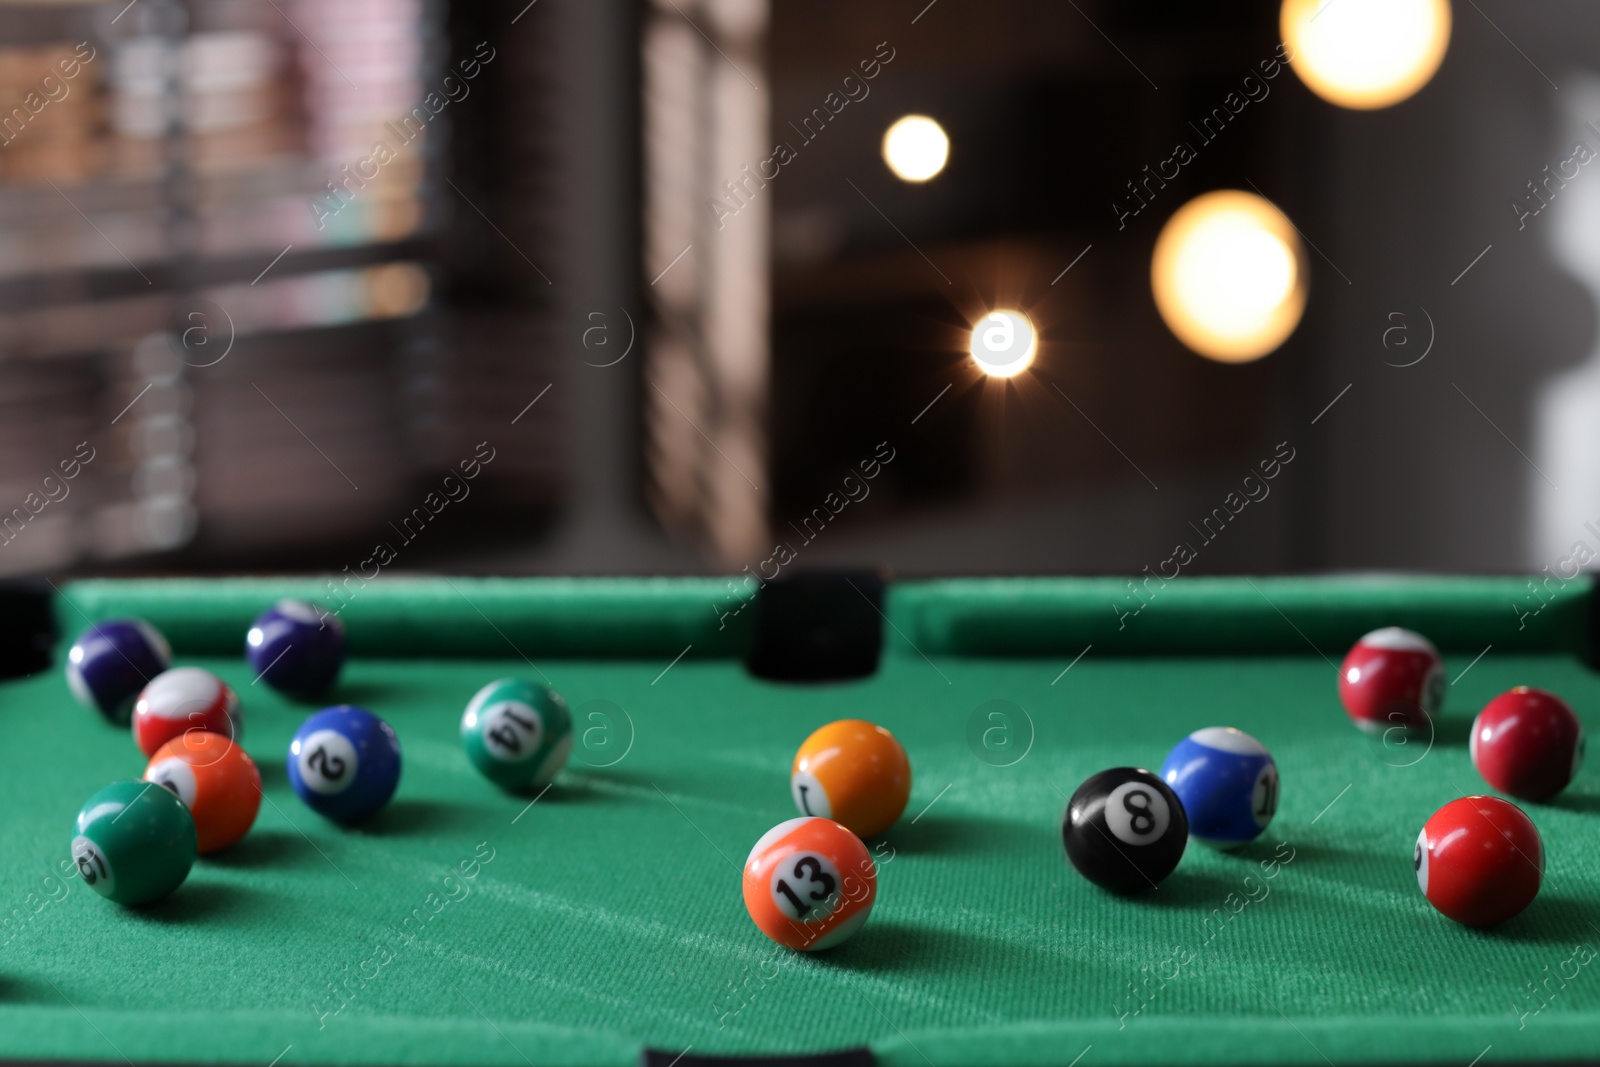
601,923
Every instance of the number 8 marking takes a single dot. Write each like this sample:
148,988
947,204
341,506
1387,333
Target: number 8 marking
1136,814
1140,817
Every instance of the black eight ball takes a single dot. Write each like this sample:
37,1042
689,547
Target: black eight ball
1125,830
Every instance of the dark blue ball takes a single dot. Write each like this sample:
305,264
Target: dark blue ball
297,648
344,762
112,661
1228,784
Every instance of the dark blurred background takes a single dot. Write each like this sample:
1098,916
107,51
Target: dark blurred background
532,288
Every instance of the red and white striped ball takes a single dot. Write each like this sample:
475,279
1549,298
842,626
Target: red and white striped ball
809,883
1392,678
184,699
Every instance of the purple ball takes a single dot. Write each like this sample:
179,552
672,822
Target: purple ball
111,661
297,648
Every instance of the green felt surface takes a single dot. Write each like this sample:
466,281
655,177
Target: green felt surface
609,916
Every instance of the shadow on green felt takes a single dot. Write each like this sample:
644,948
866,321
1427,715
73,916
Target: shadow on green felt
1582,803
17,990
198,901
369,693
1316,877
416,818
630,775
1453,729
572,786
1551,919
273,772
967,833
887,948
1269,848
1351,866
883,946
1187,888
262,848
1398,751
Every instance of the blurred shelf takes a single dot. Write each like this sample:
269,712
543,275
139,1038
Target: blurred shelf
194,279
48,292
339,290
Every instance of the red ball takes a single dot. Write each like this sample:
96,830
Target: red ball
1527,742
180,700
1479,860
1392,678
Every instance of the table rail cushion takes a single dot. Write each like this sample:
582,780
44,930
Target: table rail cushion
649,617
1201,616
442,618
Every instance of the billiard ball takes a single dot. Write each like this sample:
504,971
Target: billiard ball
854,773
216,781
1479,860
809,883
1125,830
1392,678
297,648
344,762
133,842
518,734
1227,782
1527,742
182,699
111,661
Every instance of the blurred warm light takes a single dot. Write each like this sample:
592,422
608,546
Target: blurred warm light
1365,53
1003,343
916,148
396,290
1227,277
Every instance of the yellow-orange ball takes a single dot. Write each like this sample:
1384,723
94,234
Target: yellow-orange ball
854,773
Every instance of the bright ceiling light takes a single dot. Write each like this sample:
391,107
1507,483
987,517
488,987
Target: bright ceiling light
916,148
1365,54
1227,276
1003,343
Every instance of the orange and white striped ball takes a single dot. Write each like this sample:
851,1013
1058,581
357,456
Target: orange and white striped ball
216,781
852,772
809,884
